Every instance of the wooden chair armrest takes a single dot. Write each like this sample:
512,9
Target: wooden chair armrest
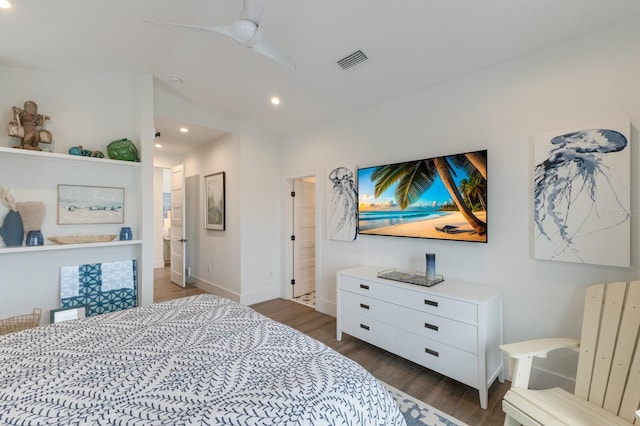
539,347
521,356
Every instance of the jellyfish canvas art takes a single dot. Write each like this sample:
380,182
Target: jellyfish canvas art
582,195
342,205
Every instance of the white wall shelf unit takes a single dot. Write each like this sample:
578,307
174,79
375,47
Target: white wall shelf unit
453,328
48,247
43,155
31,274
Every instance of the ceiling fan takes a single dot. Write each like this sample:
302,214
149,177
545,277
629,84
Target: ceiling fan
245,30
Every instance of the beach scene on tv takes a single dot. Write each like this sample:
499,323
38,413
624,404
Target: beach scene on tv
440,197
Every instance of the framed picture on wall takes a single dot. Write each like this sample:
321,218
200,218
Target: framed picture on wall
214,193
79,204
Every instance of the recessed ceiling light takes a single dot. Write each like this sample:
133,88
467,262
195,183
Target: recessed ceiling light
184,129
275,100
158,145
4,4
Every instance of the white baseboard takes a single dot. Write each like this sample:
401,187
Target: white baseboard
325,307
259,296
245,299
213,288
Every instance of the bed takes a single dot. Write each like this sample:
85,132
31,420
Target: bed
195,360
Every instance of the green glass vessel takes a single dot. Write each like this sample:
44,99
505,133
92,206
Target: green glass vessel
123,149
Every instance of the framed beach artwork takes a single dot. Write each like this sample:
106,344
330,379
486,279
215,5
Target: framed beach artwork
441,198
342,204
582,195
78,205
214,200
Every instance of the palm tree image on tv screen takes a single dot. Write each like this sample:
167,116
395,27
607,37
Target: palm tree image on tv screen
440,197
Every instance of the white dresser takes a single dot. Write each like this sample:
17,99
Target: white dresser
453,328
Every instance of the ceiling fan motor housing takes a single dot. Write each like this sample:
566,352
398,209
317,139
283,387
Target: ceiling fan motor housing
243,30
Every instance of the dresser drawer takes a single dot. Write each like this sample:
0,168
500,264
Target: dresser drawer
364,287
447,360
436,305
455,333
367,306
367,329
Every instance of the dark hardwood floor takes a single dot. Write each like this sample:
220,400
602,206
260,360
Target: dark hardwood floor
456,399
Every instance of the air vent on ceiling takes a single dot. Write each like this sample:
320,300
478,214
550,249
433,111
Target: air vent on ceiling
352,60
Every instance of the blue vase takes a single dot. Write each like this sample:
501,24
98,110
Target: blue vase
34,238
12,230
125,233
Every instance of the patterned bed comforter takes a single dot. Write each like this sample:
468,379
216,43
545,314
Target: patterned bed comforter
196,360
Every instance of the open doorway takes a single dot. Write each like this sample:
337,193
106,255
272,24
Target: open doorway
166,217
178,271
303,241
169,230
161,217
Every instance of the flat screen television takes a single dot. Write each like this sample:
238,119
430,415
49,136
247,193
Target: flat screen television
440,197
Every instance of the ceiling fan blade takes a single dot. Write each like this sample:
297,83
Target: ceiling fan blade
224,29
221,29
252,10
277,56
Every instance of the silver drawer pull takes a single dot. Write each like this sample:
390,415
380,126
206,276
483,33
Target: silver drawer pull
363,306
431,352
431,303
366,327
431,326
364,286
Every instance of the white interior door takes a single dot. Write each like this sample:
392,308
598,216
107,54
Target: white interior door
178,232
304,243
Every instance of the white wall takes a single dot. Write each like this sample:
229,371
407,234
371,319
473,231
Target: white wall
242,262
171,105
217,250
85,109
163,160
589,79
142,99
260,213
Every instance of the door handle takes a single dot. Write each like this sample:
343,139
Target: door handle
182,240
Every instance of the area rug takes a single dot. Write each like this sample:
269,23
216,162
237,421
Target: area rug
418,413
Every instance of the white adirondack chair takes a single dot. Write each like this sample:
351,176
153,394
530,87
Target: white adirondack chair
607,391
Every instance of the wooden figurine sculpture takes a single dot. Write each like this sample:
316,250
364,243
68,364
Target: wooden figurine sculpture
27,125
